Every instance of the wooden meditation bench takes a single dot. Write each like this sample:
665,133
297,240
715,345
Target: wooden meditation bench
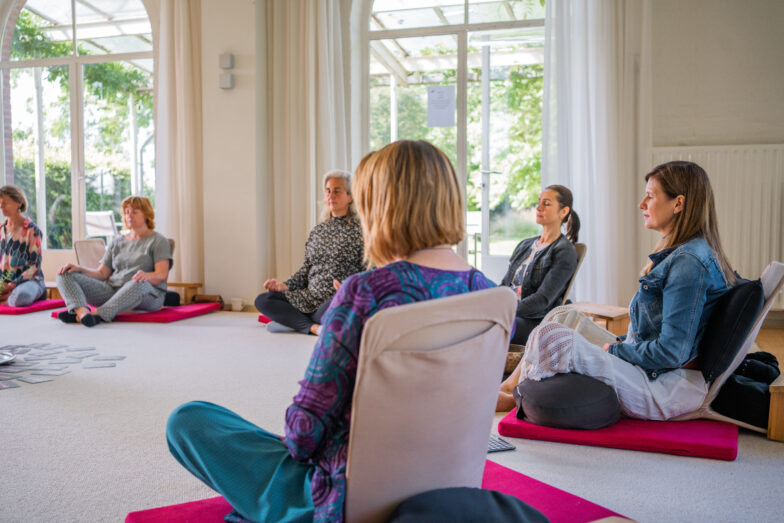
615,319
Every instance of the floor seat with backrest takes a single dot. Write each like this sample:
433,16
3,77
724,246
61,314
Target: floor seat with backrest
424,396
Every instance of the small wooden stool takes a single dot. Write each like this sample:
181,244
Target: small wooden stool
776,413
615,319
52,292
189,290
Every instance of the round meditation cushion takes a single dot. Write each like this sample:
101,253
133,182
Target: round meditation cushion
567,401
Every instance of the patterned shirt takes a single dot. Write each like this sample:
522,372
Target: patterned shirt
20,252
334,251
317,422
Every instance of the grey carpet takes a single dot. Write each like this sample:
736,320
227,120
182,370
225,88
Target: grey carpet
90,446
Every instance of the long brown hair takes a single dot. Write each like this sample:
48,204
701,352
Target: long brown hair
698,217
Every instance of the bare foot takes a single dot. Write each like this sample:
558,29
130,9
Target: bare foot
511,382
505,402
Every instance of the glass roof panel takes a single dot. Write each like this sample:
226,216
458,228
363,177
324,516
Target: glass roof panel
407,14
102,26
488,11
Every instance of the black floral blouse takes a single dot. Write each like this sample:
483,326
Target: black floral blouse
334,250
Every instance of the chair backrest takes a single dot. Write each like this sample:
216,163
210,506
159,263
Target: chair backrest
581,249
89,252
425,392
100,223
171,248
772,280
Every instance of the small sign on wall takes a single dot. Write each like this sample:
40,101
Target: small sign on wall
441,106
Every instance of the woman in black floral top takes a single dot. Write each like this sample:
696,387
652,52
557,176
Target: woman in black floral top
333,252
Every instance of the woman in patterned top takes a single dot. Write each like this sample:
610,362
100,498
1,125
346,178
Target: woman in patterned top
333,252
20,251
412,213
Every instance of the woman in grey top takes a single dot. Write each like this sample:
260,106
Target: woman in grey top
541,267
334,251
131,275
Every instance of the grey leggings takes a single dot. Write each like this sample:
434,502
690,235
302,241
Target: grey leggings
79,290
26,293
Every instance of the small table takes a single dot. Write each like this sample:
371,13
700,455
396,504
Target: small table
52,292
614,318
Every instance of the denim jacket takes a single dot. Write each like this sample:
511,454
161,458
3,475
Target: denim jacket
544,285
669,311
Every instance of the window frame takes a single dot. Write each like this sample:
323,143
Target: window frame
75,63
361,18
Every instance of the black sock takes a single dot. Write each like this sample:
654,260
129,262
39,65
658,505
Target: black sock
91,320
67,317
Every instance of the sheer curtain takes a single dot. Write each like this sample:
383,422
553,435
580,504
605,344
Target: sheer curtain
596,132
178,135
308,119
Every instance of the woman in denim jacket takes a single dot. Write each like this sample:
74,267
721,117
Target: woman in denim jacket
651,368
540,267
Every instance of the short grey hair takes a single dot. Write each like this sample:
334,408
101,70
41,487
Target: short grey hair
338,174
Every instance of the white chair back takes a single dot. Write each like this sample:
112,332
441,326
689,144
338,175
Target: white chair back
424,398
89,252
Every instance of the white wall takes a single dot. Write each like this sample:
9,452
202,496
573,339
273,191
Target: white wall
718,72
231,228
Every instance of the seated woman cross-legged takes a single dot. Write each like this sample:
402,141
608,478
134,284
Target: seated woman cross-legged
653,368
541,267
20,251
333,252
131,275
412,213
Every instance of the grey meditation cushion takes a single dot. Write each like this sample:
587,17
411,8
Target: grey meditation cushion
567,401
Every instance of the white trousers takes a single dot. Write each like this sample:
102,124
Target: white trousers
569,341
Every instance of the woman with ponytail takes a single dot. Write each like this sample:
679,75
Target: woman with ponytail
653,368
541,267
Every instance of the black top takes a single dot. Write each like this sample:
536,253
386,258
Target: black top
547,277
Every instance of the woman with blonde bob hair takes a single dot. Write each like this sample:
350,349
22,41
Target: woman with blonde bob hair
411,208
131,275
653,367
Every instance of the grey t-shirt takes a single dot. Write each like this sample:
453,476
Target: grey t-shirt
124,257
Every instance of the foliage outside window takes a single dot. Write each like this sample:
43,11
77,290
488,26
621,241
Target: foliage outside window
117,100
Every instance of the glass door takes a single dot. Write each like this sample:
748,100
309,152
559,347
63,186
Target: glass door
504,150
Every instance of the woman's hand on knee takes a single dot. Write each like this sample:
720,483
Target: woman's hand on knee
274,285
69,268
140,276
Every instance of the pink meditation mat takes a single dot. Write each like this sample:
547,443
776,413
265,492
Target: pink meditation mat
557,505
699,438
35,307
164,315
263,319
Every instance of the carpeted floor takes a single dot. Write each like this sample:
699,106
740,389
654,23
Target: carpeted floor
90,446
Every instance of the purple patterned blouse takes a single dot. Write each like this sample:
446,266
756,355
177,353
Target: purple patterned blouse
317,422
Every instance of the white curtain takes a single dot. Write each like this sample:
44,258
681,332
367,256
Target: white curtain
178,135
308,119
596,132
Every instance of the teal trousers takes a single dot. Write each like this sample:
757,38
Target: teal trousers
247,465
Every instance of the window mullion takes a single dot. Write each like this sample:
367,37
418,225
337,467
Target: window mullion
77,151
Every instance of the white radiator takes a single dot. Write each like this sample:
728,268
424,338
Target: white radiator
748,183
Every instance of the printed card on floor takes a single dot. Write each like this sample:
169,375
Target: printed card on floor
35,379
8,385
13,369
79,349
4,377
68,361
20,350
99,365
39,358
108,358
52,366
50,372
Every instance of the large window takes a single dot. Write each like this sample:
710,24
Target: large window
78,106
488,53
